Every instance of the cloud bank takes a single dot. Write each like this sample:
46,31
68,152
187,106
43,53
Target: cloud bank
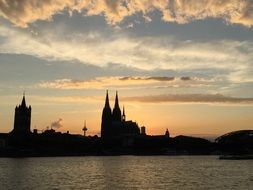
146,53
189,98
23,12
130,82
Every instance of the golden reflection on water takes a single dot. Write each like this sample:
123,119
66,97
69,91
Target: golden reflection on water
125,172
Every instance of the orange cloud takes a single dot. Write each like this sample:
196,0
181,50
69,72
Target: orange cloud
22,12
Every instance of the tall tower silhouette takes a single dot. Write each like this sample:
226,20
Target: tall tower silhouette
114,125
22,119
116,114
106,118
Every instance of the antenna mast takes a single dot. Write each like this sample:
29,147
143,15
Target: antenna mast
84,128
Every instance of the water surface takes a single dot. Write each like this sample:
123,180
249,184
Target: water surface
126,172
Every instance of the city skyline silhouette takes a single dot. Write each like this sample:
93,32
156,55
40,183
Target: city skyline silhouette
126,94
182,66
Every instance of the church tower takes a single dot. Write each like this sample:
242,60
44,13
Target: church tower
116,114
106,118
114,125
22,119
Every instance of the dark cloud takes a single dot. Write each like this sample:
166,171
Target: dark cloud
147,78
162,78
185,78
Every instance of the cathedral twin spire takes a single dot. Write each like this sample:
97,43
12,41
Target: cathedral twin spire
116,100
116,112
107,104
113,124
109,117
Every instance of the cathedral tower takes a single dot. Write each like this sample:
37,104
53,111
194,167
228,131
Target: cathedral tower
114,125
116,114
106,118
22,119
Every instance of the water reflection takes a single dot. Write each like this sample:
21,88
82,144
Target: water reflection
126,172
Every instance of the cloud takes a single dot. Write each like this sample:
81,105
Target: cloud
202,98
189,98
147,78
57,124
185,78
129,82
145,53
23,12
66,100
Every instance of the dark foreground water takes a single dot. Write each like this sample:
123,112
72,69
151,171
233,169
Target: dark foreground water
126,172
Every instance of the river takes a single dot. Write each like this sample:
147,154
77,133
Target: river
126,172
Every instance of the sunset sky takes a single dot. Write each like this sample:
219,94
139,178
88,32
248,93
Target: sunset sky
185,65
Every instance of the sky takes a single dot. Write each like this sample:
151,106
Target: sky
184,65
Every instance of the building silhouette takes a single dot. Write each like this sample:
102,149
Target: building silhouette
114,124
22,119
119,136
167,133
143,130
